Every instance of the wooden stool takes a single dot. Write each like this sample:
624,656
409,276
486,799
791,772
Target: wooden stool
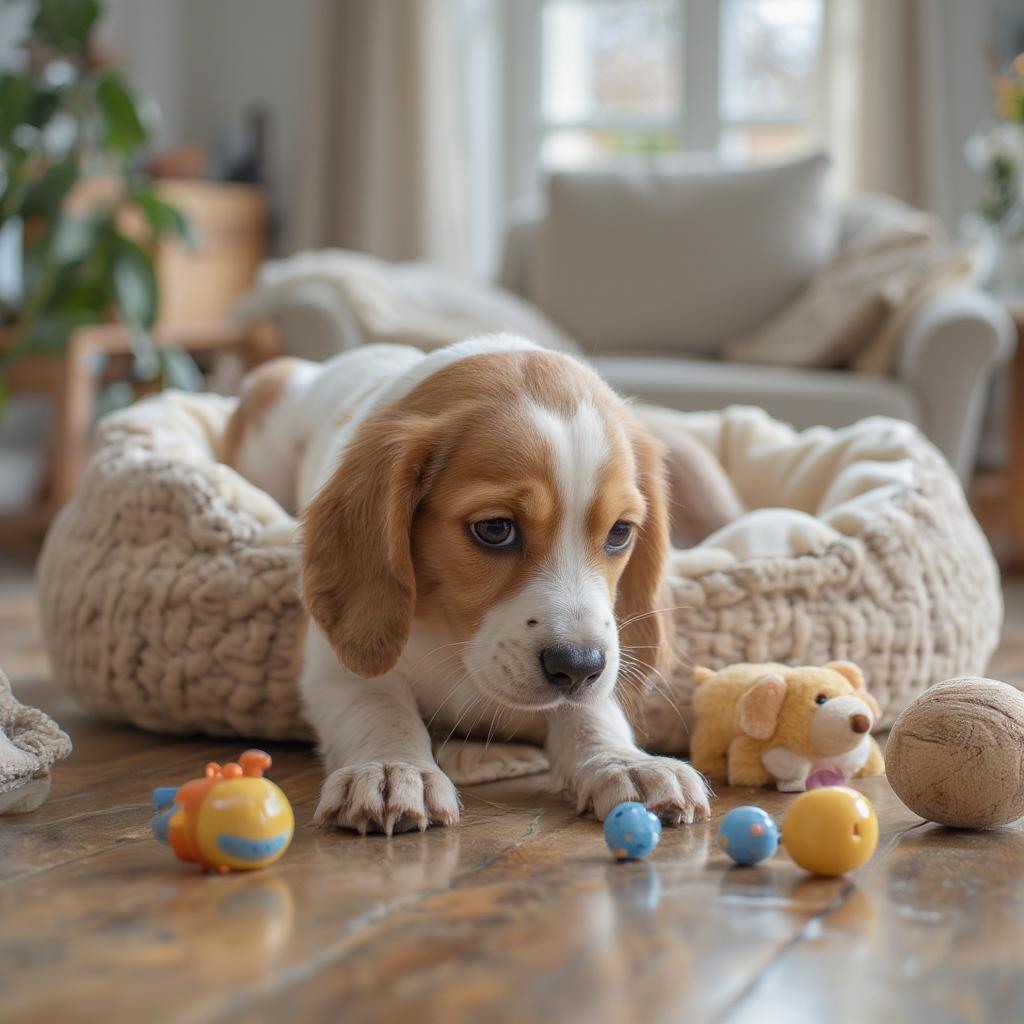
71,382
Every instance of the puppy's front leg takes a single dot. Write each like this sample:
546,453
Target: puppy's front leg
594,758
381,774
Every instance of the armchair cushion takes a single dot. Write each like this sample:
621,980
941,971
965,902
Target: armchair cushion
681,260
802,397
855,309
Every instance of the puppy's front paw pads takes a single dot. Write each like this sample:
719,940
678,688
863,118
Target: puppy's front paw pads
387,797
673,789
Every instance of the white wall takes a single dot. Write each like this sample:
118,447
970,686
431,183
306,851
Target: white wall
206,62
962,80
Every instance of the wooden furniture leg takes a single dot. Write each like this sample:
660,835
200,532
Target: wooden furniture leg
74,409
1015,475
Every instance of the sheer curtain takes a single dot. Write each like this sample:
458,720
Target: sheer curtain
383,165
881,98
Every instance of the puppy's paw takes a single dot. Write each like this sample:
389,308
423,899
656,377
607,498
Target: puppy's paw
672,789
387,797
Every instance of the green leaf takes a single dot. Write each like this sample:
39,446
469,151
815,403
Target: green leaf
45,196
52,331
117,395
146,365
18,94
180,370
134,284
66,24
123,128
165,219
44,106
74,238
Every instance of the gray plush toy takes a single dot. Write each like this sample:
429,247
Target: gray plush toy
30,742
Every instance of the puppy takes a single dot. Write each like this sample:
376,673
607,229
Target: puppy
484,535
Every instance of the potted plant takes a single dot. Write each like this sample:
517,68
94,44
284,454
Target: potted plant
996,152
85,217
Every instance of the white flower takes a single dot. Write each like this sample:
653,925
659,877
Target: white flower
1001,141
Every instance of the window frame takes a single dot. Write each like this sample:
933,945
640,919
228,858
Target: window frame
699,123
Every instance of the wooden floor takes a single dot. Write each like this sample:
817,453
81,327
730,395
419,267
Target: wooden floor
517,915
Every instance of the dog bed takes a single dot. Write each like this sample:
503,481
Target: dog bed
168,600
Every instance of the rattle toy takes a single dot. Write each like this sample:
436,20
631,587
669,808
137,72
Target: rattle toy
232,818
831,830
956,754
749,835
757,724
631,831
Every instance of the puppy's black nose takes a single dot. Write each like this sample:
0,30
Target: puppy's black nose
570,667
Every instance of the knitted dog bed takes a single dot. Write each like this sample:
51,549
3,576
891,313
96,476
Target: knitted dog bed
167,601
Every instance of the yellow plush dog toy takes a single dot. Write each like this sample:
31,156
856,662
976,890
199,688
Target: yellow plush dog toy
756,724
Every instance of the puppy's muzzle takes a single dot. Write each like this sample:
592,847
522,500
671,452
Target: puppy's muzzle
571,668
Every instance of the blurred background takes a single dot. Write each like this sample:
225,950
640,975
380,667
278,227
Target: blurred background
461,105
164,162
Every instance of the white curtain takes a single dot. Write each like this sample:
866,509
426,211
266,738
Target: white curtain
881,94
384,162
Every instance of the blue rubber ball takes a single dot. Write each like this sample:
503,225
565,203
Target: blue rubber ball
748,835
631,831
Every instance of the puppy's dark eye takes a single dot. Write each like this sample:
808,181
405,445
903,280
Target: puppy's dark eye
619,536
494,533
820,699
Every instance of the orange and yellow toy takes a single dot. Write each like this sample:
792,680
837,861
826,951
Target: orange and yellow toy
231,819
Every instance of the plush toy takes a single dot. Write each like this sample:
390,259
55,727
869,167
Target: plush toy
756,724
956,755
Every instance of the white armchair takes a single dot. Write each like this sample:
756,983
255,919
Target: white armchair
946,355
652,279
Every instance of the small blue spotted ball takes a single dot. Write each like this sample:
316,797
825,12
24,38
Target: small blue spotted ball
748,835
631,831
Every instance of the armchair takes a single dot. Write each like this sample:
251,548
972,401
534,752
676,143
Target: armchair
947,353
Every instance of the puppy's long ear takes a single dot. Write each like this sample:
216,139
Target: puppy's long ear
357,574
643,627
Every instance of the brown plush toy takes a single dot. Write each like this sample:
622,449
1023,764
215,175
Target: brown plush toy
757,724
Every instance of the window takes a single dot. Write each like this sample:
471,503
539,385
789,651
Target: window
769,56
610,79
594,80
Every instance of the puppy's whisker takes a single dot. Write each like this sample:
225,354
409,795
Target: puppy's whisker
458,682
648,674
647,667
494,722
465,711
441,647
637,665
476,721
656,611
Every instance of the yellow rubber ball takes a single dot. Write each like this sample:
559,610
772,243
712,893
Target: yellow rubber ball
830,831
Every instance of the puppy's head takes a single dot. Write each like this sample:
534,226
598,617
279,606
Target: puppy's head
514,500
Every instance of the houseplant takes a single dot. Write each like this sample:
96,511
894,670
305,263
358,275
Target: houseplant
996,152
71,131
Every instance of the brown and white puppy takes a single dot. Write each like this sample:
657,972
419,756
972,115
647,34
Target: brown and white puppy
484,535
